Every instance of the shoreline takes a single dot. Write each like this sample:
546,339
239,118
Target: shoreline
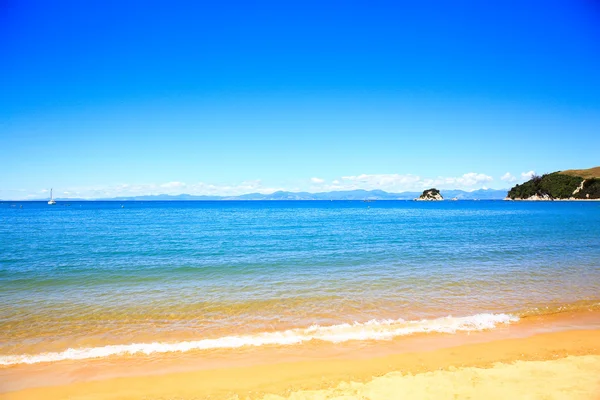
275,381
350,333
549,200
278,372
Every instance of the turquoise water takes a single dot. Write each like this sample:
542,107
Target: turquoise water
86,275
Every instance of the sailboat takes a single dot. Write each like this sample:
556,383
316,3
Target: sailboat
51,201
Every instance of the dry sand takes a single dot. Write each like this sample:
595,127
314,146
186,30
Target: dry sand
573,377
560,365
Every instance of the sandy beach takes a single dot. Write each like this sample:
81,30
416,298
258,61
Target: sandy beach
558,364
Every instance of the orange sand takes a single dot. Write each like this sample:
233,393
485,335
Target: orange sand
559,365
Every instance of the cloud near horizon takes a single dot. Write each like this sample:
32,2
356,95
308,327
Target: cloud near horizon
387,182
508,177
170,188
404,182
527,175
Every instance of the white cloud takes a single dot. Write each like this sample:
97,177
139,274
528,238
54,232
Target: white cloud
527,175
382,179
389,182
172,185
171,188
508,177
469,179
407,182
251,186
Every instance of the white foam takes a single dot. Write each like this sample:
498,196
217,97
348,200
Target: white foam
371,330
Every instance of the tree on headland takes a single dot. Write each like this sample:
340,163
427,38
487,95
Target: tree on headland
557,185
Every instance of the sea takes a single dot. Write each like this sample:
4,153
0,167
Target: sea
88,280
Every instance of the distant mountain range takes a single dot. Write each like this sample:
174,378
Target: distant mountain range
481,194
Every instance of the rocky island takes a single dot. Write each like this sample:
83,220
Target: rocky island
574,184
430,195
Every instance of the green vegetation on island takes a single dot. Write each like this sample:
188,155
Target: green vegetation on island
571,184
430,194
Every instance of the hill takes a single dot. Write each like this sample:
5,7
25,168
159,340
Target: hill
575,184
583,173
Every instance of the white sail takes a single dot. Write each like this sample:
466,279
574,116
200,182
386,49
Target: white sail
51,202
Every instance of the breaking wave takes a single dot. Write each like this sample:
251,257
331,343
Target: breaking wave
371,330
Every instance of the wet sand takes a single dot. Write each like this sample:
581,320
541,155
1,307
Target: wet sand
556,365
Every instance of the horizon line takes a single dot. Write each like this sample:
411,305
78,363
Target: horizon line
236,197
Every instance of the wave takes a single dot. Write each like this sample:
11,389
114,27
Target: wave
371,330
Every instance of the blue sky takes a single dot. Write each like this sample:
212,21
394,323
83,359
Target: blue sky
109,98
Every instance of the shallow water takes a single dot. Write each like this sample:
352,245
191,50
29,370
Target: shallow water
88,275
